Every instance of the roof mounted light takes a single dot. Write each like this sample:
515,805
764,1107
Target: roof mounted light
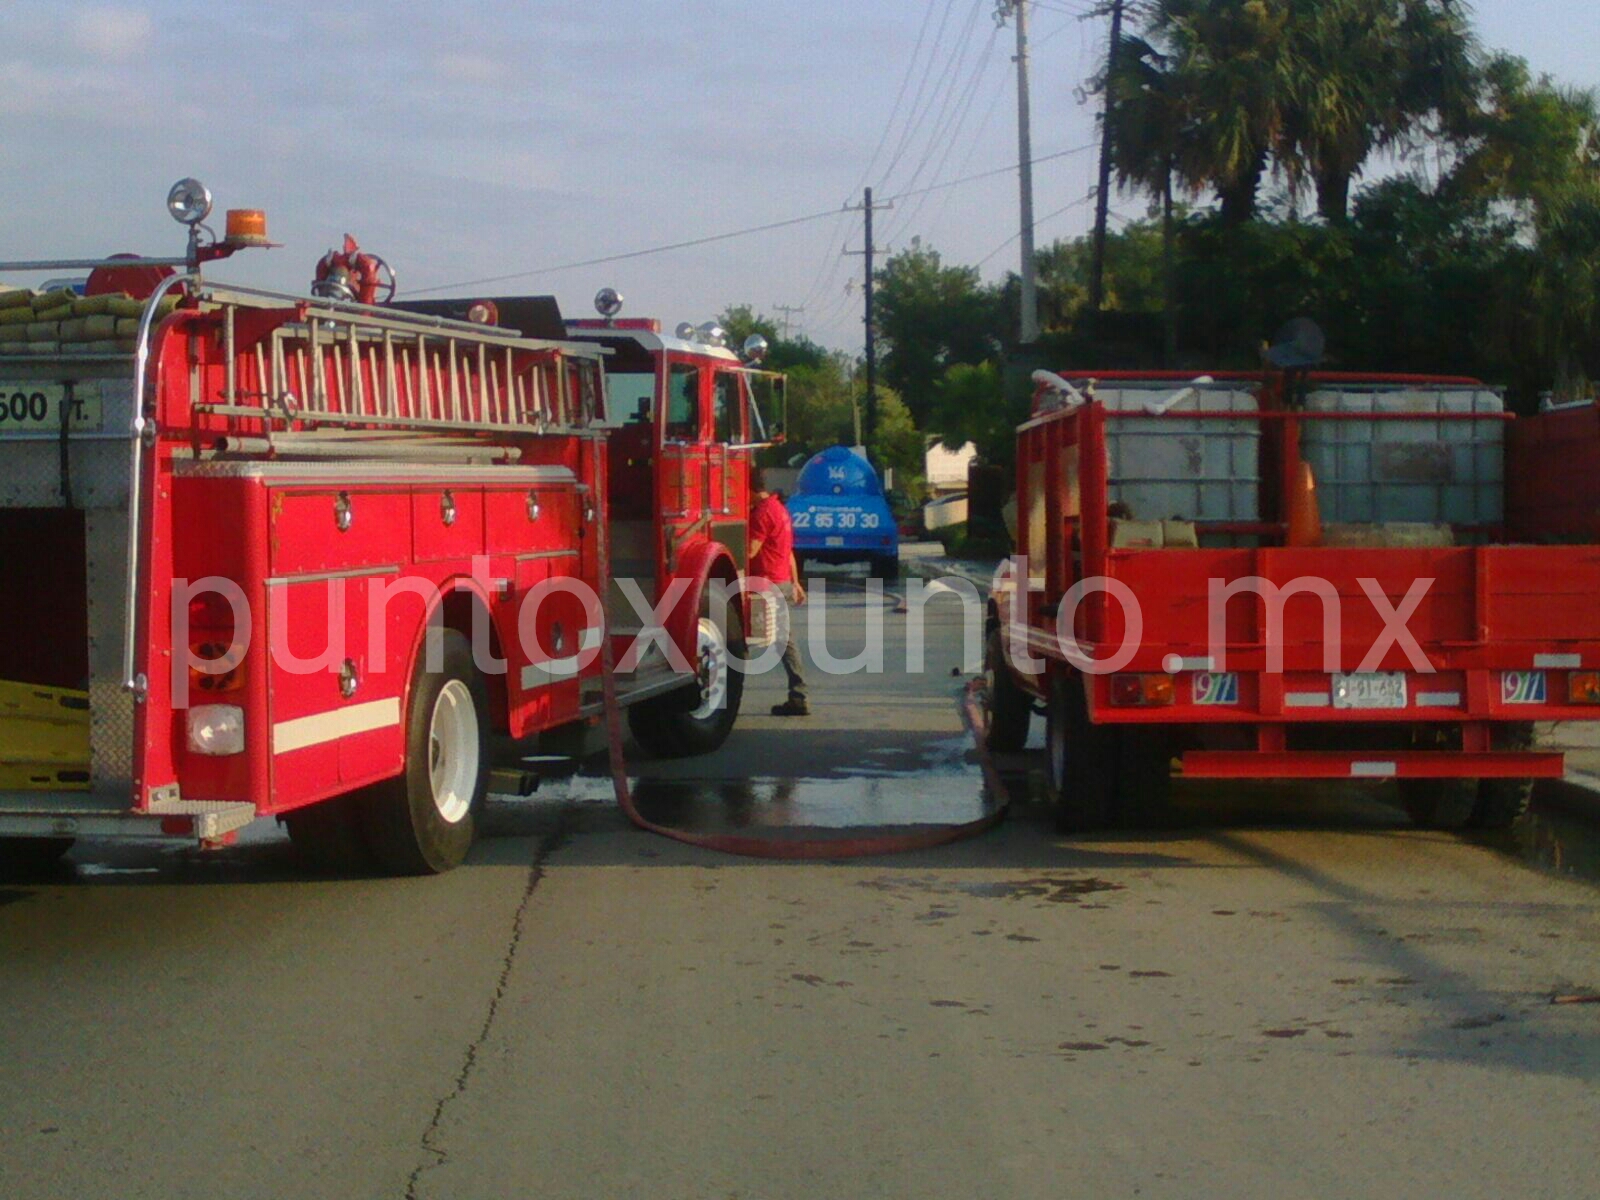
189,202
247,227
687,332
712,334
755,348
608,302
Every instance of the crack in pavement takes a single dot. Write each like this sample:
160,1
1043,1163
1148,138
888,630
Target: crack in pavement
469,1062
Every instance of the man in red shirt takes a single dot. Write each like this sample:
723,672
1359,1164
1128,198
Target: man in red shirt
772,559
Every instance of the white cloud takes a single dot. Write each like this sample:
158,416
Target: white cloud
113,34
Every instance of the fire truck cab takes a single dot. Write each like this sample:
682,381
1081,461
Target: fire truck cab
684,414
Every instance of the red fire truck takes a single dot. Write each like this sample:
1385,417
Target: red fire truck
1285,576
316,558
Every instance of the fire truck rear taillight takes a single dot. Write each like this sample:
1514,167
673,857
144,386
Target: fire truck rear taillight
1583,687
216,730
215,663
1142,691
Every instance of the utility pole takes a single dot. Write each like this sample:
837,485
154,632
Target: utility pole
1029,332
788,311
1102,199
869,318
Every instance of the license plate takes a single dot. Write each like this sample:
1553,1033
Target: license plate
833,541
1216,688
1524,687
1374,689
38,408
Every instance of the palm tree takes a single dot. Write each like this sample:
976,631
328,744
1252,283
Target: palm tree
1150,120
1232,87
1220,109
1366,76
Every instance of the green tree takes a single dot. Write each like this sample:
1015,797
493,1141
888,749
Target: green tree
1365,76
1228,91
930,317
783,354
1536,146
1218,91
971,405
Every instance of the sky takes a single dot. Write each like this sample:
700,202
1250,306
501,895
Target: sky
473,140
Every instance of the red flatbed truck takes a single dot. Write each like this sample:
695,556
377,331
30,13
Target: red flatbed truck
267,555
1217,619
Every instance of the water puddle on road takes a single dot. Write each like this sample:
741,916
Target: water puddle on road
791,806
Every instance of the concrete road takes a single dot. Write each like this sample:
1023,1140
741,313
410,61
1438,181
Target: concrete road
1284,996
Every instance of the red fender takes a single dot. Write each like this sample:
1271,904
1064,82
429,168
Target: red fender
698,562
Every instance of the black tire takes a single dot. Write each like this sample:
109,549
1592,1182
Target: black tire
1445,804
328,836
886,567
1007,708
31,858
1080,761
411,829
688,721
1501,802
1144,778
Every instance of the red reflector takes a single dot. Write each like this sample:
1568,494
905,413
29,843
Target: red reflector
1125,691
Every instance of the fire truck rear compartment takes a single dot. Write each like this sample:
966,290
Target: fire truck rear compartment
66,723
43,598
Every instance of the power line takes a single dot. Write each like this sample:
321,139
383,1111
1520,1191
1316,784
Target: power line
737,233
949,134
946,93
1078,203
829,264
911,126
611,258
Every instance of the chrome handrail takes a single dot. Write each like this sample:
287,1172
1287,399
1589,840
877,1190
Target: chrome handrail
140,429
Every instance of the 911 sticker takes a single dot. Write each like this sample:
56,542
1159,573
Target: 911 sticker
1214,688
1524,687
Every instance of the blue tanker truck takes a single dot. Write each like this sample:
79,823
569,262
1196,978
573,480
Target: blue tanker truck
841,515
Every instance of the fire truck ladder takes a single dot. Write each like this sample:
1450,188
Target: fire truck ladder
348,380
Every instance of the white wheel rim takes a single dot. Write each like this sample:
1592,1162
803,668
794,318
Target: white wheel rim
453,749
711,667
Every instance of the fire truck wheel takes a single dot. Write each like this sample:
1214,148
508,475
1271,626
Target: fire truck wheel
1144,778
24,858
1502,801
1080,761
424,822
696,720
328,836
1439,803
1007,709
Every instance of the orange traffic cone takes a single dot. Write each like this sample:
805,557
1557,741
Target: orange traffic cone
1305,517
